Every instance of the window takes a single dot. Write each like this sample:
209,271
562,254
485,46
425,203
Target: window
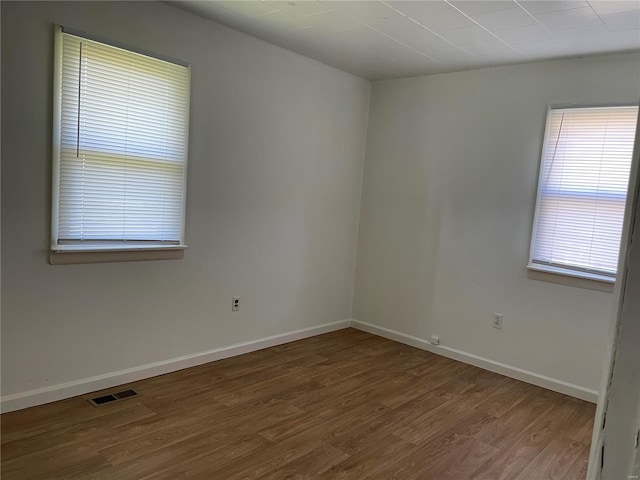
584,174
121,124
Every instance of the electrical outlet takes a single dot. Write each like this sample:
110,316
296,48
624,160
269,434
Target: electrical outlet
497,320
435,340
235,304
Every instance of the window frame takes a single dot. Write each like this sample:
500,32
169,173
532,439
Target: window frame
108,251
592,280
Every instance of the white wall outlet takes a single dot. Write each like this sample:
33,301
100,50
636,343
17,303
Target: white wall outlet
497,320
235,304
435,340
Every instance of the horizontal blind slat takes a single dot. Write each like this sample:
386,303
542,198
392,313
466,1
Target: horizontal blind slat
583,186
123,144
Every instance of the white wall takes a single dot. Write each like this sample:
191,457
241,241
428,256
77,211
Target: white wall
275,174
275,171
448,200
619,401
623,414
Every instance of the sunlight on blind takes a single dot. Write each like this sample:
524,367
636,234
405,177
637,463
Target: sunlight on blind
122,158
583,188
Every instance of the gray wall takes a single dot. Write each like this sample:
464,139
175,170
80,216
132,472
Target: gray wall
448,200
275,171
275,176
620,386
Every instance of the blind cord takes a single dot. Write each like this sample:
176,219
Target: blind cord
79,93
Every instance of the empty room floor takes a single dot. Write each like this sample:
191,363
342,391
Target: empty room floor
344,405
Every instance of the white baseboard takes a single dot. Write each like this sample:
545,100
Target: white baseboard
53,393
507,370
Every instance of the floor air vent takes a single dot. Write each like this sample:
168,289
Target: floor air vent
112,398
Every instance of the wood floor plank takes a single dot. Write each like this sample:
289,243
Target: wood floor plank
535,403
578,469
309,466
235,419
321,420
43,420
443,382
255,465
199,458
344,405
466,458
63,461
185,457
294,372
373,461
86,430
554,460
441,448
360,385
412,463
528,444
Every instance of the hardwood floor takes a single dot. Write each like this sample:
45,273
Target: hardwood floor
345,405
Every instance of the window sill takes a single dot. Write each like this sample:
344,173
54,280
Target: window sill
77,254
572,278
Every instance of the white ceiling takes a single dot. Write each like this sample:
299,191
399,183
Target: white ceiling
390,39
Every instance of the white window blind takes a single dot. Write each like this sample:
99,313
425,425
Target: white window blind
582,189
120,148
